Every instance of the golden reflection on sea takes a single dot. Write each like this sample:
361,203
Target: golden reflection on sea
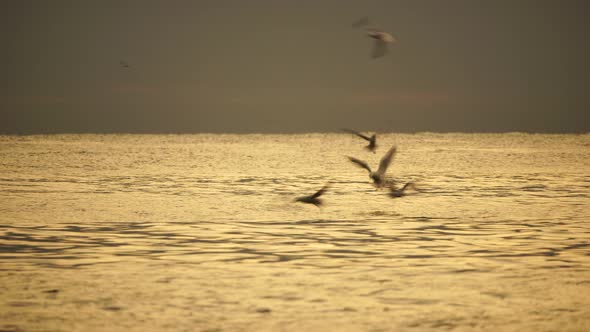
200,233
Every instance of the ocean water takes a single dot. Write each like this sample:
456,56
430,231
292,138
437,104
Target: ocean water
200,233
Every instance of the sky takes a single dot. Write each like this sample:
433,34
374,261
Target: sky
274,66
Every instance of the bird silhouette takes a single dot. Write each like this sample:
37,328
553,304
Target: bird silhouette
382,38
382,41
394,192
378,176
314,199
372,139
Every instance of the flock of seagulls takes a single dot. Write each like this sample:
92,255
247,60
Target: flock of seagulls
382,41
378,177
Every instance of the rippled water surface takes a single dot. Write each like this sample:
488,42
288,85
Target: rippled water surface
200,233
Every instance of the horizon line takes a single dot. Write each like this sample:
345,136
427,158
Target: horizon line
299,133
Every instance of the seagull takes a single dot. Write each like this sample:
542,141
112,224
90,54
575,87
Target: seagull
378,177
393,192
372,140
382,38
382,41
313,199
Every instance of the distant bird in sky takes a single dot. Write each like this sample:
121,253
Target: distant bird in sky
372,139
314,199
382,38
378,176
124,64
394,192
382,41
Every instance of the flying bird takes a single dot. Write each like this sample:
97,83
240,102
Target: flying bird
394,192
314,199
382,41
378,176
382,38
372,139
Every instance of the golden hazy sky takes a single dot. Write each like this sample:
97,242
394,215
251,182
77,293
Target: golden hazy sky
293,66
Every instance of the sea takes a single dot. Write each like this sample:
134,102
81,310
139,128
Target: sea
126,232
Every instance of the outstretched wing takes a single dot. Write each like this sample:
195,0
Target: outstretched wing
321,191
409,185
379,49
357,133
360,163
373,140
386,160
